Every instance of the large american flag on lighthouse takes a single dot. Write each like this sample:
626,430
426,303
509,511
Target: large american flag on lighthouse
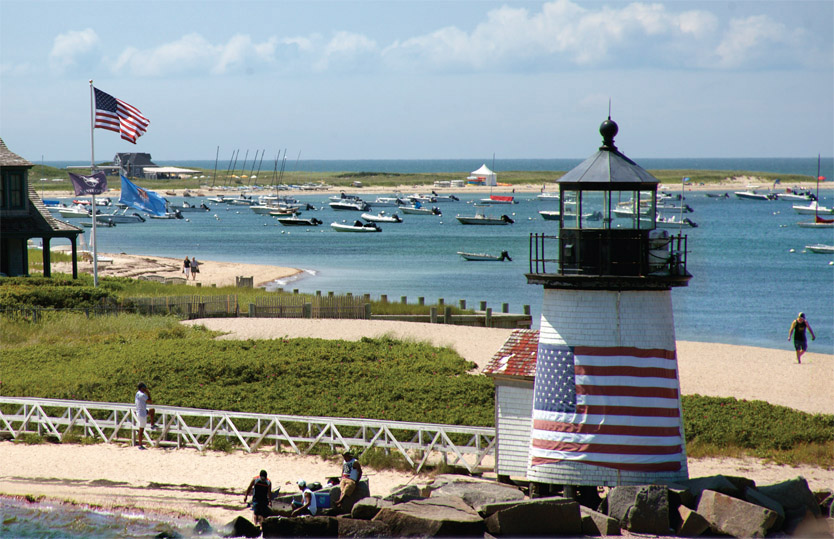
115,115
617,407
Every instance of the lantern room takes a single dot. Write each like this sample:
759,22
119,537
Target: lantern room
607,228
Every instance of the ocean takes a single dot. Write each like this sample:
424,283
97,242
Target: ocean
749,252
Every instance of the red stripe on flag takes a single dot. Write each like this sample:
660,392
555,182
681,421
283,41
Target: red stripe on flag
607,449
618,370
641,411
628,391
643,467
616,430
605,351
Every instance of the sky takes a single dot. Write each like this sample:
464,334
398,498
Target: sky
420,79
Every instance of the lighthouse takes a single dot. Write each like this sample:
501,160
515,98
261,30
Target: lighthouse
606,399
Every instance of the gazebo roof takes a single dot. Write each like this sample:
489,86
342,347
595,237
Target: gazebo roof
608,167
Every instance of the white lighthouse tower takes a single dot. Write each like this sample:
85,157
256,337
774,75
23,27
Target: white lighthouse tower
606,404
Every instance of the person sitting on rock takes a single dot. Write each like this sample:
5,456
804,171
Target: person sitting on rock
309,505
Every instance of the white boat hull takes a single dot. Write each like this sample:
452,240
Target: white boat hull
820,248
361,229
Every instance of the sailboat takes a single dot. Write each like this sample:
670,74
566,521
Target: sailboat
818,221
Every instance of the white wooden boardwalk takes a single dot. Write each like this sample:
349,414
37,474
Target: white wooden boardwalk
192,427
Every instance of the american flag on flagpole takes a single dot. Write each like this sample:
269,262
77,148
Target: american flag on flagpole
116,115
616,407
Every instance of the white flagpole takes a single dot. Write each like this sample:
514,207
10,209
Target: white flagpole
92,171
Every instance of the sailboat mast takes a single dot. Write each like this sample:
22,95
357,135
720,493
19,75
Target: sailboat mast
216,157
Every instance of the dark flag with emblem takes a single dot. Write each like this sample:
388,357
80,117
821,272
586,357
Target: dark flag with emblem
141,199
95,184
616,407
116,115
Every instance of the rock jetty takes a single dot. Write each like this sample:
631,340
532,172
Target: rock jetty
461,506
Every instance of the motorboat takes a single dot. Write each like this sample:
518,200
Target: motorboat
499,199
74,212
481,219
673,221
122,217
814,208
382,217
753,195
283,214
357,226
219,199
385,202
186,207
483,257
100,221
298,221
344,196
167,215
797,194
444,198
419,209
348,204
820,248
547,195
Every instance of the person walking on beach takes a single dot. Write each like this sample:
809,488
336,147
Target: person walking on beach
143,398
351,474
195,268
800,342
186,268
261,490
309,504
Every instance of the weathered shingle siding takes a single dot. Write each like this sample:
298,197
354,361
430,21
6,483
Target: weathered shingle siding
515,410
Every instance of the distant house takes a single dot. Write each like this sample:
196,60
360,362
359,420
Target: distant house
24,216
133,163
513,371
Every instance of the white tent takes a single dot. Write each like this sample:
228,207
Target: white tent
484,172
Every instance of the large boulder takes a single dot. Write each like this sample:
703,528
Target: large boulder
640,509
753,495
735,517
300,527
725,484
363,490
691,523
794,495
595,523
367,508
538,517
475,491
350,527
241,527
405,493
438,515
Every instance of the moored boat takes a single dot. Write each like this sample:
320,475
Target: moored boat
357,226
298,221
348,204
382,217
483,257
820,248
481,219
418,209
753,195
814,208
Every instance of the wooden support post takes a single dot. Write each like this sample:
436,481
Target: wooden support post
433,315
488,318
462,304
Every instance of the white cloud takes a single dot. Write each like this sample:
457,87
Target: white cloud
72,48
192,53
344,50
759,40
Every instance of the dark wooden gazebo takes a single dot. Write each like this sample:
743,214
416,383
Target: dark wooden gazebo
23,216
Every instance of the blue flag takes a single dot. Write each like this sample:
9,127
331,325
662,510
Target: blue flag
141,199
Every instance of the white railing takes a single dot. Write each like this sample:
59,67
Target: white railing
197,428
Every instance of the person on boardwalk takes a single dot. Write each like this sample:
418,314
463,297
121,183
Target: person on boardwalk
800,342
351,474
186,268
309,505
261,490
143,398
195,268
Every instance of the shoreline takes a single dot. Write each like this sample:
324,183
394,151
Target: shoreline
729,184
